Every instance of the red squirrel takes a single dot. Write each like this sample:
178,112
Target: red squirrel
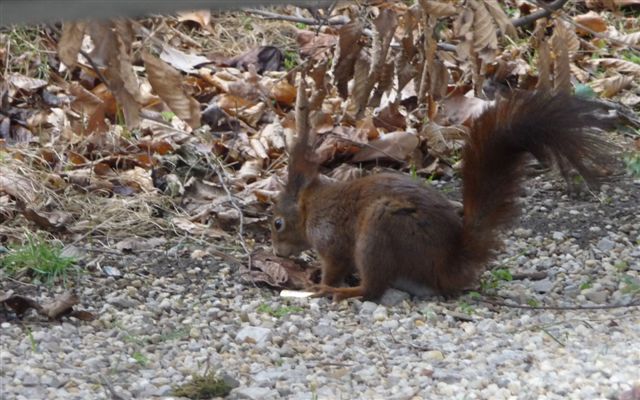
395,231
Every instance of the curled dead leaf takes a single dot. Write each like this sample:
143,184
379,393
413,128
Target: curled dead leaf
61,306
393,145
591,20
280,272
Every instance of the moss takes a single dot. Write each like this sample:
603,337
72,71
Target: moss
203,387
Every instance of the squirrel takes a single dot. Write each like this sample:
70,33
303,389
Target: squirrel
395,231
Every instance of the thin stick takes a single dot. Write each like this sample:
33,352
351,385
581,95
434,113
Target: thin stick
234,204
291,18
635,303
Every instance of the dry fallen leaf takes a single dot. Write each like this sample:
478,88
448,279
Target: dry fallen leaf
200,17
393,145
71,42
61,306
591,20
280,272
167,83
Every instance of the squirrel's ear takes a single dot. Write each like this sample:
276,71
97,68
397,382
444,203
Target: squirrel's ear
303,167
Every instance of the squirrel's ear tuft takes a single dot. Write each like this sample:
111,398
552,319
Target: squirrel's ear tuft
303,166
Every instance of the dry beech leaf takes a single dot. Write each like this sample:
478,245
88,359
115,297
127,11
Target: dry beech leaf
456,110
198,229
618,65
314,45
61,306
485,39
91,106
113,50
23,82
167,83
393,145
17,186
609,87
273,133
580,74
76,158
438,8
348,52
280,272
51,221
391,119
140,176
500,18
441,139
284,93
200,17
630,39
71,42
250,170
591,20
180,60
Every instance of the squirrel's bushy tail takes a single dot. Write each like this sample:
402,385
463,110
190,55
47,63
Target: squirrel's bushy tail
556,129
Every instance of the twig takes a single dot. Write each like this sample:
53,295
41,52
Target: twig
555,339
545,12
499,303
219,169
291,18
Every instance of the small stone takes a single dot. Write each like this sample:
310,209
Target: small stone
596,296
605,244
393,297
253,393
368,308
230,380
557,235
165,304
324,330
254,334
164,390
380,314
194,333
542,286
433,355
522,232
122,301
30,380
49,380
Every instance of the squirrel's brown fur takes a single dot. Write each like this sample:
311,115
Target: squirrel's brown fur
391,228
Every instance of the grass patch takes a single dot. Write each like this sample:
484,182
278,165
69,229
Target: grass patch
39,258
632,286
140,358
491,283
203,387
632,162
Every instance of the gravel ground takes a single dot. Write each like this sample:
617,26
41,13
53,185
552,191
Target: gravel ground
169,317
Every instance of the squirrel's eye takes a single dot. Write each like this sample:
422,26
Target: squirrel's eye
278,223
